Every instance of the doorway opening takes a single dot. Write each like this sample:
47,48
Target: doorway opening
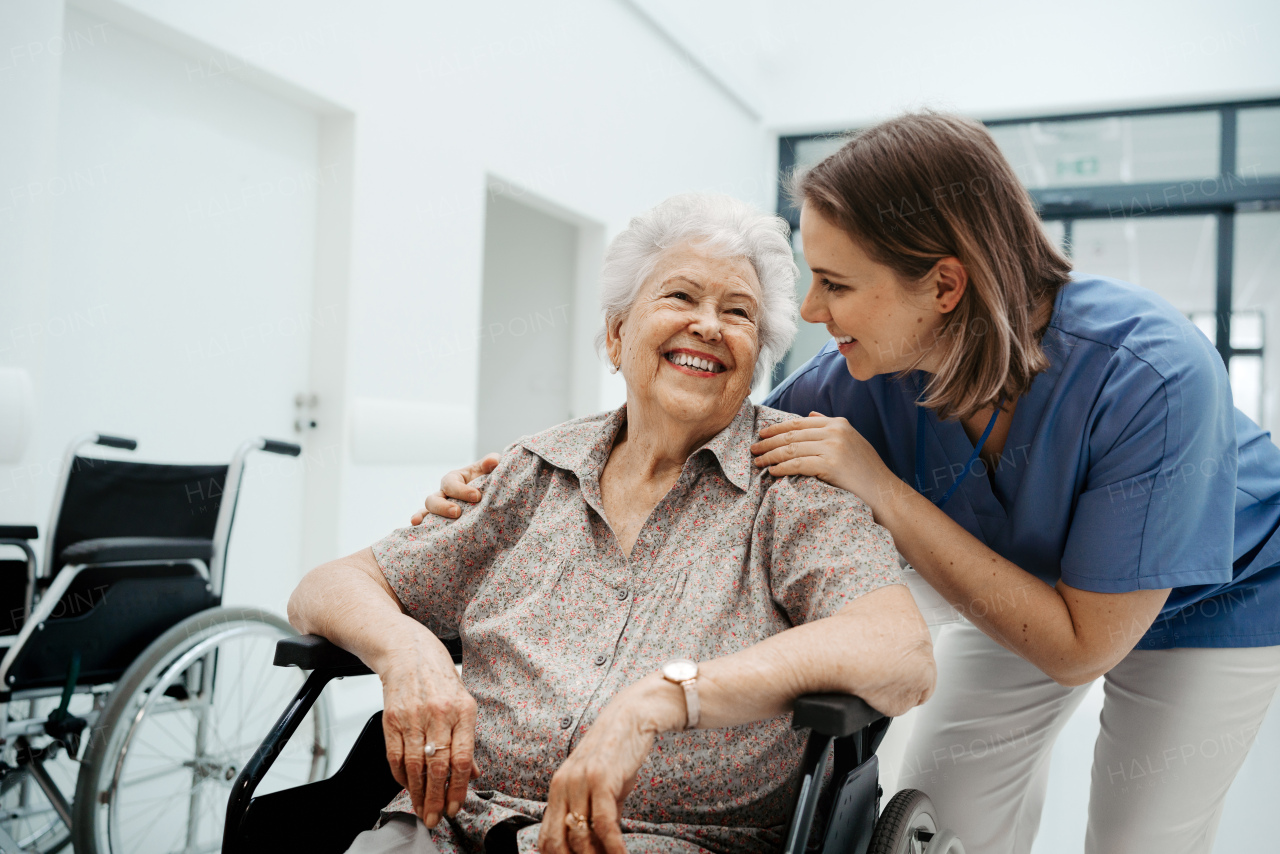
537,365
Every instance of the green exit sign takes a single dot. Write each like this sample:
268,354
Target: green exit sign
1078,166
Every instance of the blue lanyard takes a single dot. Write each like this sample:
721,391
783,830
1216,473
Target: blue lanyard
922,420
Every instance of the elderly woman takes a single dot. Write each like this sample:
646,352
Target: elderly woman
638,604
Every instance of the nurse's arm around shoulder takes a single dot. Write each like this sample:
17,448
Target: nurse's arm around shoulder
1073,635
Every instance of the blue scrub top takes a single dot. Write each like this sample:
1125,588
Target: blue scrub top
1126,466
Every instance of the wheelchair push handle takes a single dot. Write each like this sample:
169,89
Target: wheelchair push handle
275,446
116,442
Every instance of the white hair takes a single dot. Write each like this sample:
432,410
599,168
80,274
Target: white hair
726,226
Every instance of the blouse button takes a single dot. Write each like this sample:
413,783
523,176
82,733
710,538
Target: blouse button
601,659
622,594
566,722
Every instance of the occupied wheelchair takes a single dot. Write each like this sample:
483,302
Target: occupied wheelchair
839,817
129,697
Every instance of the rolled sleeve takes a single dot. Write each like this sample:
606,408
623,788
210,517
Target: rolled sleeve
1158,502
825,549
435,567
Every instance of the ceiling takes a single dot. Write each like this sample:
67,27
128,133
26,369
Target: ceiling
815,65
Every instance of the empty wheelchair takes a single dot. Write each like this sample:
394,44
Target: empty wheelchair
130,698
837,818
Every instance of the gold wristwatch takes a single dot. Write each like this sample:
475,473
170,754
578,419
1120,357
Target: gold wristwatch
684,672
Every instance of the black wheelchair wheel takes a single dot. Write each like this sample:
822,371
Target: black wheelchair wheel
906,826
177,728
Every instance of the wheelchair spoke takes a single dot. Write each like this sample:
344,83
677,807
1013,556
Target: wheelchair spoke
263,675
143,779
212,814
29,825
188,830
147,826
195,808
243,698
165,725
27,815
207,710
161,745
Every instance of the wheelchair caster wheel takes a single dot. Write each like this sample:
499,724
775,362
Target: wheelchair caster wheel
909,825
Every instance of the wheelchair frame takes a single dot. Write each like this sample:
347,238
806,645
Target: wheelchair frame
40,605
840,816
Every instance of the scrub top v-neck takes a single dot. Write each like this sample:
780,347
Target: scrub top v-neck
967,468
1126,466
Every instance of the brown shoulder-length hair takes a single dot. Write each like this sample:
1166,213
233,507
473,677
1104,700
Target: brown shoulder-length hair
924,186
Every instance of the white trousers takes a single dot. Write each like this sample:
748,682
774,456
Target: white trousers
1176,725
401,833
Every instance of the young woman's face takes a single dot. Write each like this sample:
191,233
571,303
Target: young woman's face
880,326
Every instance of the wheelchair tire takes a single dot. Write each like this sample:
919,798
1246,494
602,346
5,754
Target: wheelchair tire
27,816
177,728
909,825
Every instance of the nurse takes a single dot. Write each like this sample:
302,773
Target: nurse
1059,456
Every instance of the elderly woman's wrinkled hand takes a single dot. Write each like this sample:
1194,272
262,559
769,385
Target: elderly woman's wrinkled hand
585,802
425,703
455,485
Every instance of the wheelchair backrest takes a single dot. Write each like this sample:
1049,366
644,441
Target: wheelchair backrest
117,498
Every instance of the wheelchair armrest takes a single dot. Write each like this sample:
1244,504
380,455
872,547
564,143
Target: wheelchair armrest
117,549
312,652
18,532
834,715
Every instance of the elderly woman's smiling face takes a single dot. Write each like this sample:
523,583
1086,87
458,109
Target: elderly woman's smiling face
689,343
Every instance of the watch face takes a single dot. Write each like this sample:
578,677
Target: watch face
680,669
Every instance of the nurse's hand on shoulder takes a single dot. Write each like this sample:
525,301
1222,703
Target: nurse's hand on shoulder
828,449
455,485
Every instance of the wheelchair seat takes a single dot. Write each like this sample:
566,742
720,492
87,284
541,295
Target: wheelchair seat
838,818
117,549
132,552
104,617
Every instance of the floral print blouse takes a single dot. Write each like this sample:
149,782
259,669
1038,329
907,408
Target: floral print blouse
555,620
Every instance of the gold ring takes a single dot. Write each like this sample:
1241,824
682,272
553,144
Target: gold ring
577,820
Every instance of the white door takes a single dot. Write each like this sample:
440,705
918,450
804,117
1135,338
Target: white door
183,272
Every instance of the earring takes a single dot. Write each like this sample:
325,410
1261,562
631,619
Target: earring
613,368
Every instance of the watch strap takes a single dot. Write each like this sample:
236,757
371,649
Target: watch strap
692,705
